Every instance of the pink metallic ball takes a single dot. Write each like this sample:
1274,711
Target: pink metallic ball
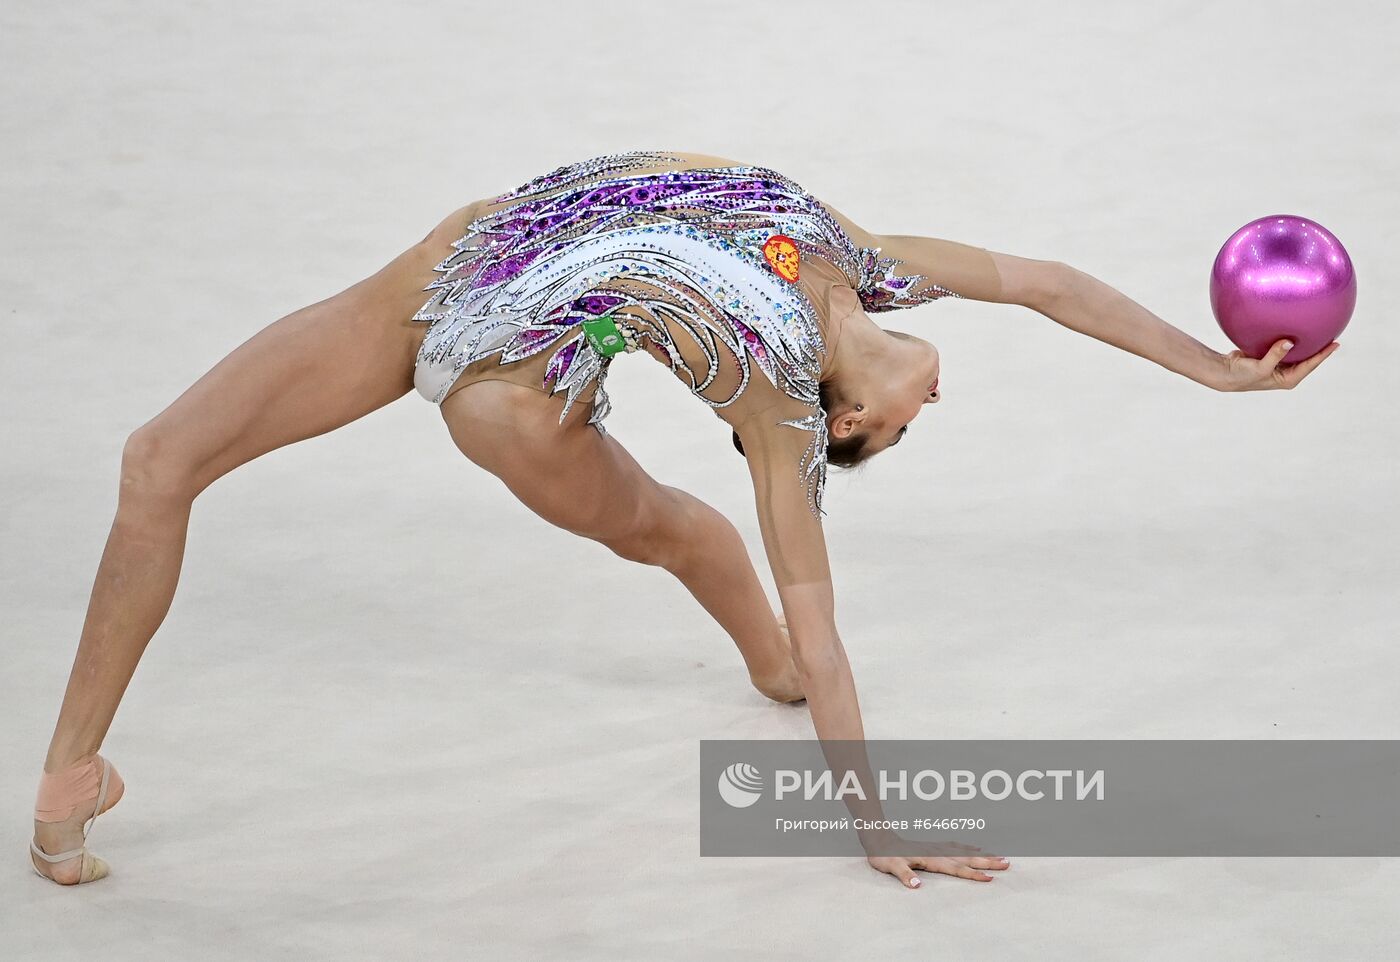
1282,276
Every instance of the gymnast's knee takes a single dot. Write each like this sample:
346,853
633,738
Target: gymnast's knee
687,535
644,545
660,535
153,468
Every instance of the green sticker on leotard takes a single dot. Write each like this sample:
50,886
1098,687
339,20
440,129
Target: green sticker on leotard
603,334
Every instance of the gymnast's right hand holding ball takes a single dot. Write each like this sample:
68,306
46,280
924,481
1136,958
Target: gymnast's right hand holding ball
1282,288
1245,373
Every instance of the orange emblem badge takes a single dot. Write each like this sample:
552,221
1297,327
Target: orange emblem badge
781,254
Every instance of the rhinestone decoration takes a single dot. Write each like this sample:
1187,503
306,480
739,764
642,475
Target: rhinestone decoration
690,248
881,289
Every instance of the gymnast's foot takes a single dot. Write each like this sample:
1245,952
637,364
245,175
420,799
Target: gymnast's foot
69,801
785,686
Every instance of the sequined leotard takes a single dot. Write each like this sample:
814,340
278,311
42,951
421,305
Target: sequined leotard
676,259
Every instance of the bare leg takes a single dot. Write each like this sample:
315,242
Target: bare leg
310,372
514,433
708,555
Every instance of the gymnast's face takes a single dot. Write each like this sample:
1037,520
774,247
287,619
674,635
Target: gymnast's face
891,397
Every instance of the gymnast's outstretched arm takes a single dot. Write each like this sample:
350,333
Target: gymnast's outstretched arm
927,268
778,453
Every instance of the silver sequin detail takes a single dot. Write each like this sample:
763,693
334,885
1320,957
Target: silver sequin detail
812,468
566,245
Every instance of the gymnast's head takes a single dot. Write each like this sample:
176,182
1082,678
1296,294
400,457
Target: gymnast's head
878,383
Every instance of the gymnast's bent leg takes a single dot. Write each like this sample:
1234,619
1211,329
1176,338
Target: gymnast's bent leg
312,371
585,482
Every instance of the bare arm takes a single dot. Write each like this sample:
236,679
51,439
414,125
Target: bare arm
796,549
1086,304
1072,299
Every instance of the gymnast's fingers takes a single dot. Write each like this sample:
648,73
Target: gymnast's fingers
1275,356
1303,368
948,866
899,868
991,863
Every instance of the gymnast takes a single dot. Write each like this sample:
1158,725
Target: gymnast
754,293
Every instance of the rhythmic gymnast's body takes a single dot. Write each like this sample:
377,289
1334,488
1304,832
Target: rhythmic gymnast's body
754,293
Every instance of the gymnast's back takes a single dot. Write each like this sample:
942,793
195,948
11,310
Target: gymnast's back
726,272
667,246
